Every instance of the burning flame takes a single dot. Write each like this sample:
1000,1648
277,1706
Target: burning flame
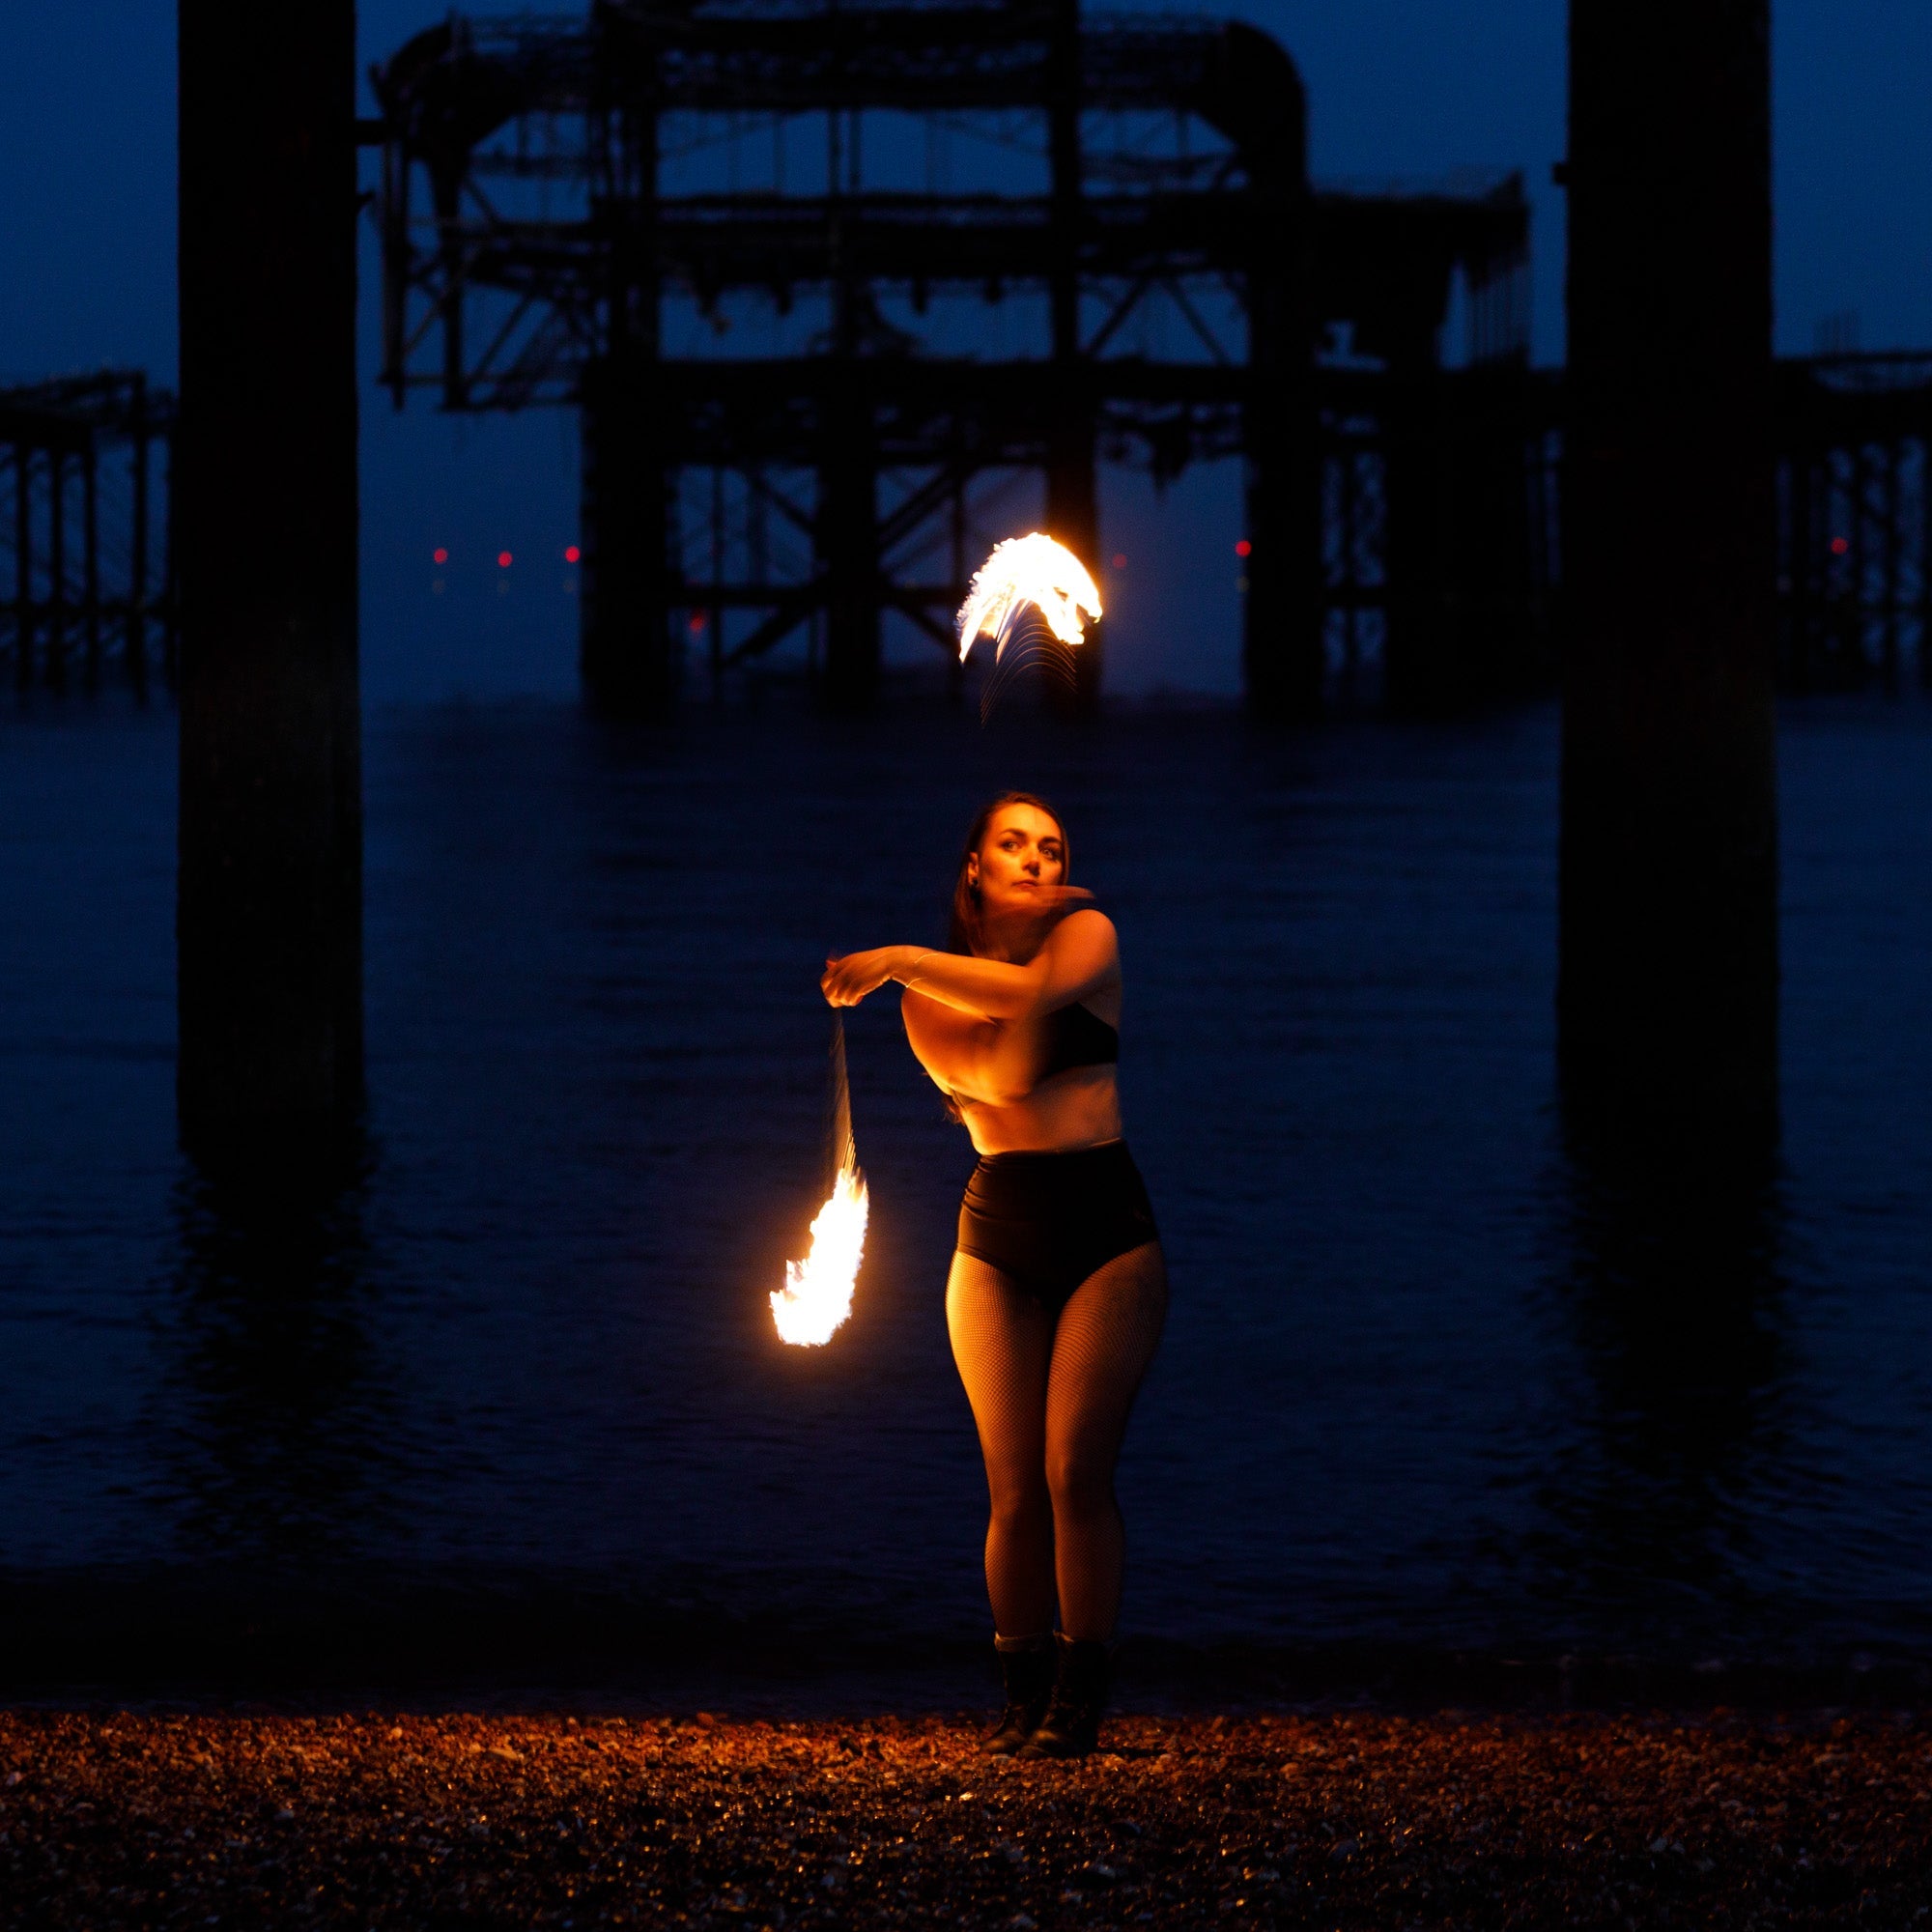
817,1294
1027,570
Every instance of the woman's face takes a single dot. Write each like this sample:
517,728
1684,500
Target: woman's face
1021,852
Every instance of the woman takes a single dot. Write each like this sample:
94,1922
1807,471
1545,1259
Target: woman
1058,1289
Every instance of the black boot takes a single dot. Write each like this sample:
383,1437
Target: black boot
1027,1664
1072,1720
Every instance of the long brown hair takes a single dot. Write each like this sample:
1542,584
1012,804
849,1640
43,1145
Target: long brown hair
967,928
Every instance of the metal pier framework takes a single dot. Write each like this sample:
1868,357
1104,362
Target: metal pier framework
1853,519
83,461
833,286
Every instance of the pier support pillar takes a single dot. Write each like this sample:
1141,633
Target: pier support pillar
625,653
1283,656
1260,103
1073,519
263,502
1073,487
848,551
1421,674
1669,981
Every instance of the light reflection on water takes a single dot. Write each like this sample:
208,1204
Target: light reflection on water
1436,1375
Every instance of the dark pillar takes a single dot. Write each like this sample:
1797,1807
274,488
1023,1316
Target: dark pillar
1283,655
170,566
1668,986
90,558
1418,667
264,502
1925,562
1681,1323
56,566
1073,486
847,541
24,564
1073,519
1259,104
1463,627
627,660
137,562
1493,634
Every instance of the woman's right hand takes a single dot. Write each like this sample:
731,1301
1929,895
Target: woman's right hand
846,981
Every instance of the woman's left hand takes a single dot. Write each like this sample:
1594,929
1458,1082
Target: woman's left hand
847,981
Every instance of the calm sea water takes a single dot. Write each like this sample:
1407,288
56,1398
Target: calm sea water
1425,1383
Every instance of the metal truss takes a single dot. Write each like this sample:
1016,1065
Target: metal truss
820,277
1440,542
1855,519
1853,442
86,583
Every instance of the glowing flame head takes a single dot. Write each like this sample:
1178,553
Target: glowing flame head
817,1294
1021,571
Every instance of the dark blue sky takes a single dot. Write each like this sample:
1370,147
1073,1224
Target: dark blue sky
1398,88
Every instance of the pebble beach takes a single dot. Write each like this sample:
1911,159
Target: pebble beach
1337,1819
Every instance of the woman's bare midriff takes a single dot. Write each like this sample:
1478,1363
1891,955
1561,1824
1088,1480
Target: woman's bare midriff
1078,1108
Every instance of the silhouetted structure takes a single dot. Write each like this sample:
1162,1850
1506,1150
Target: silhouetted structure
1853,432
1452,600
969,241
269,917
1852,444
1855,519
92,581
1668,987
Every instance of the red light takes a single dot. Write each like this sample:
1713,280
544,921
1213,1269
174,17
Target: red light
696,623
502,559
1839,546
572,555
1242,548
440,555
1120,559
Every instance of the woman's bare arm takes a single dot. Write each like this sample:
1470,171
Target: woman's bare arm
962,1055
1081,955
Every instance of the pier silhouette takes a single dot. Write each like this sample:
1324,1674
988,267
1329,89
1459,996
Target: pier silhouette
92,585
973,243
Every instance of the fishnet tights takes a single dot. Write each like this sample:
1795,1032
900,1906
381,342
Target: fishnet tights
1051,1400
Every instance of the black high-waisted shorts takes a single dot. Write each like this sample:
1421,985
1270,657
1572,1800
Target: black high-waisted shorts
1048,1220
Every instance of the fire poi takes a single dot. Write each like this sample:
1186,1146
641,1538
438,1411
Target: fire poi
1031,593
817,1294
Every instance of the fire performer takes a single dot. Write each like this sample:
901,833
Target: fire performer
1058,1289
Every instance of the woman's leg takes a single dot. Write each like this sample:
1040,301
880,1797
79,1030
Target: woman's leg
1002,1341
1106,1338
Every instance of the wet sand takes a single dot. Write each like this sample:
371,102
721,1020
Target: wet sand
118,1819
